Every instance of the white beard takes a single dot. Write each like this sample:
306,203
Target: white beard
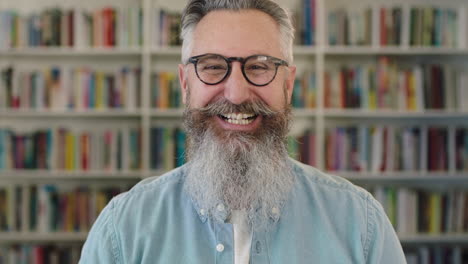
242,171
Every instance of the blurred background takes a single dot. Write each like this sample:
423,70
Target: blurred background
90,105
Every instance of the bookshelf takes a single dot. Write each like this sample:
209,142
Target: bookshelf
153,55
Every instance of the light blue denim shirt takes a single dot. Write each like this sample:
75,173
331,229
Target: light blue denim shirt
326,219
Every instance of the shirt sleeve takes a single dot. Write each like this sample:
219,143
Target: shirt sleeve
101,245
382,245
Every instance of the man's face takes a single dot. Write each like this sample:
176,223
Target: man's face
237,34
241,164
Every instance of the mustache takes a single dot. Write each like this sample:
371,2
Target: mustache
223,106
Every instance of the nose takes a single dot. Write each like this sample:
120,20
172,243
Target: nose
236,87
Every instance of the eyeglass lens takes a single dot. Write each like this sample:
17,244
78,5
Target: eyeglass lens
259,70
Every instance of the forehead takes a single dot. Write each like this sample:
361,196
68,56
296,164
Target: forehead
237,33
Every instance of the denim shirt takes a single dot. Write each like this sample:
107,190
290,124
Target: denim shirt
325,219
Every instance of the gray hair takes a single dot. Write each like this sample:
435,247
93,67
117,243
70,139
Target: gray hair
197,9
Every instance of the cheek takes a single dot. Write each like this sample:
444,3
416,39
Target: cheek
200,95
275,97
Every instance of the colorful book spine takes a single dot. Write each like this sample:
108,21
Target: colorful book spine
461,149
302,147
167,148
168,28
65,149
52,208
389,148
105,27
397,25
62,88
414,211
305,91
390,29
387,85
439,254
165,90
434,26
349,26
39,253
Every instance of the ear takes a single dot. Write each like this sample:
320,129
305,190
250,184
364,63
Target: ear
183,82
291,75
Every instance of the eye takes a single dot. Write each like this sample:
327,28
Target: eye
258,66
208,67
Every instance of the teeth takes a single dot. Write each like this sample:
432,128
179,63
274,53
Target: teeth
239,118
239,122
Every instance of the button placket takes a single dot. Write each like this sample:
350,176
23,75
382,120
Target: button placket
202,213
220,247
221,212
224,243
258,247
259,250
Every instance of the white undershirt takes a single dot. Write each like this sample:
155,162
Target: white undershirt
242,237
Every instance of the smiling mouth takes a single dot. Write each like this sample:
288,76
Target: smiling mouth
238,118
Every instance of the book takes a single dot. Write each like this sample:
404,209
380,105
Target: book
461,149
384,148
435,26
387,85
167,149
414,210
168,28
46,207
66,149
165,90
76,27
302,147
64,88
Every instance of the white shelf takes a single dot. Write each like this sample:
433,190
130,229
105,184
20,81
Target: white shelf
406,177
365,113
178,112
299,50
434,239
152,173
305,50
376,50
70,113
167,113
71,51
36,237
304,113
13,175
21,237
166,51
297,112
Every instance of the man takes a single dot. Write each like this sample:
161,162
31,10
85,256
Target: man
240,199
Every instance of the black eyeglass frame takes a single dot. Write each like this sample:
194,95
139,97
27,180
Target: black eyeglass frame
278,62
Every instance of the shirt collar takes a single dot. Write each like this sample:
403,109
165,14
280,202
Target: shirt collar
222,213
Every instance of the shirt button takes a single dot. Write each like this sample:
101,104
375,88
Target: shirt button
220,207
220,247
275,211
258,247
202,211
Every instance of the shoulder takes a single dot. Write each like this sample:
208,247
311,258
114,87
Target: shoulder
333,192
151,190
312,178
342,202
124,224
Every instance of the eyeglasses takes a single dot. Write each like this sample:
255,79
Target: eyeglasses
258,70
